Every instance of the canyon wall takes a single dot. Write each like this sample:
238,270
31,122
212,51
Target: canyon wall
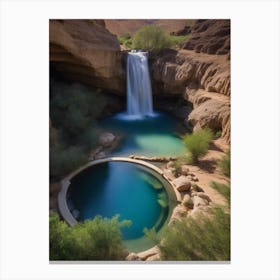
202,79
85,51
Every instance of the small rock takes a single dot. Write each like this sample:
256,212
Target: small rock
170,164
178,212
185,170
195,179
153,258
190,177
148,253
182,183
197,188
198,201
133,257
188,202
204,196
106,139
100,155
169,174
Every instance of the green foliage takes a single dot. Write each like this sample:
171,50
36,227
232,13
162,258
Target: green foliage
204,239
178,41
64,160
197,143
151,38
75,108
152,235
126,40
73,112
178,163
224,164
97,239
223,189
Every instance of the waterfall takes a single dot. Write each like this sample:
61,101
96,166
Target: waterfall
139,92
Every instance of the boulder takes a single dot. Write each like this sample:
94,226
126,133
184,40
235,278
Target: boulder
204,196
185,170
133,257
168,174
188,202
198,201
107,139
182,183
148,253
154,258
178,212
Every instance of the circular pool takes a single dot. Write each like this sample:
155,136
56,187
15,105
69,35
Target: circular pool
132,189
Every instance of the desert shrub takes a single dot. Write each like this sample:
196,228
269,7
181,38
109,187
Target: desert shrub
197,143
223,189
203,239
74,108
224,164
178,163
151,38
178,41
97,239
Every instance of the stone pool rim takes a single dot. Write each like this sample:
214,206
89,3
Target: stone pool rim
66,182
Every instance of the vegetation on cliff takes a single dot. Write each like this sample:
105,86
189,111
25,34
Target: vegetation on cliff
151,38
74,110
97,239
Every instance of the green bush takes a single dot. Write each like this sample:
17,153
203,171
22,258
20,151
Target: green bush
204,239
74,108
97,239
151,38
197,143
178,41
224,164
65,160
223,189
178,163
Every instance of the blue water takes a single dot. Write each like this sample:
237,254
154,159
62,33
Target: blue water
149,136
120,188
125,188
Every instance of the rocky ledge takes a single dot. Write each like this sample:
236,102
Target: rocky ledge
85,51
202,79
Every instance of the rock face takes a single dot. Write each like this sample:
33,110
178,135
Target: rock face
85,51
203,80
210,36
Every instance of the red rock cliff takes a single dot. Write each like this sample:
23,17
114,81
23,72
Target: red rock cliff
85,51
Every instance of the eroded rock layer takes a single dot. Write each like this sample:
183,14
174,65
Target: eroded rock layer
203,80
85,51
210,36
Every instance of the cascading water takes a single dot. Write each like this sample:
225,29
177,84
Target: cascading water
139,92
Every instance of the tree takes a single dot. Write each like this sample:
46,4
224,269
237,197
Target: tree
97,239
197,143
151,38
